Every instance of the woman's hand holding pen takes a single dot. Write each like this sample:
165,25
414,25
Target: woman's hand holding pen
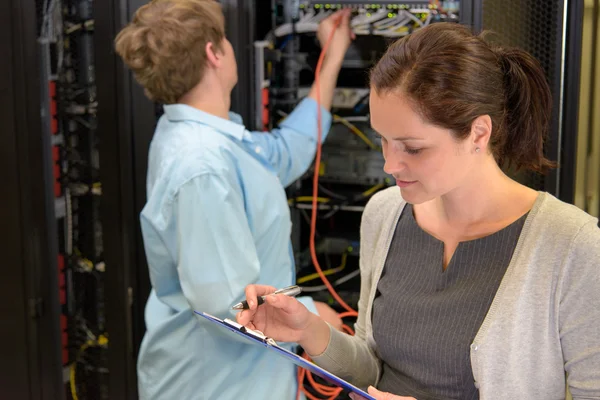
280,317
284,318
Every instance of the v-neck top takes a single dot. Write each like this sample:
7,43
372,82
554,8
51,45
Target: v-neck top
425,317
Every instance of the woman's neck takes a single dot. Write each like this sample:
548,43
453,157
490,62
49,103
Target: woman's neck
489,197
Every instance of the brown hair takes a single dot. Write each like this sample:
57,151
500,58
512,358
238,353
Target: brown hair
164,45
453,76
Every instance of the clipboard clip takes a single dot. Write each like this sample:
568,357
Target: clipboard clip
250,332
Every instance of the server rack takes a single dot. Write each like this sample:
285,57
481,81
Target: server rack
551,32
126,122
31,347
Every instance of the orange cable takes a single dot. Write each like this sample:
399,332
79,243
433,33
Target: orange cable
348,330
321,389
332,392
313,218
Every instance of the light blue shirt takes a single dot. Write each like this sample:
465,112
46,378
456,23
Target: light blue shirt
216,220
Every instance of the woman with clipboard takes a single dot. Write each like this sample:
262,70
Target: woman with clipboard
474,286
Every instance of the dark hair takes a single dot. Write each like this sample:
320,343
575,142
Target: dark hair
453,76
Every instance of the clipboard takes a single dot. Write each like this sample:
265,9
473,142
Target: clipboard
271,345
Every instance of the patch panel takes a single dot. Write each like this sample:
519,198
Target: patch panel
384,18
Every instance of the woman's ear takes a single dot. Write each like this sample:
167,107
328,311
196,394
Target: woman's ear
481,131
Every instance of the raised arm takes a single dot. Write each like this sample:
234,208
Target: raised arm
291,147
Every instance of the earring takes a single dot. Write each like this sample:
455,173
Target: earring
477,149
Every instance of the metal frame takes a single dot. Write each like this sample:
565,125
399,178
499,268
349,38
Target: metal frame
570,105
240,30
555,149
554,146
467,14
126,121
143,122
116,193
593,98
33,347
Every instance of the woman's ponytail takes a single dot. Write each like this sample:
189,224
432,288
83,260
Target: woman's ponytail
528,109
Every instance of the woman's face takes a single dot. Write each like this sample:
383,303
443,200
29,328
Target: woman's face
426,160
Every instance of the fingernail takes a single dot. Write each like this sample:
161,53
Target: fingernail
274,298
241,314
251,304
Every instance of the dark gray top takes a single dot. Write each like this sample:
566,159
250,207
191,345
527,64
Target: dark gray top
425,318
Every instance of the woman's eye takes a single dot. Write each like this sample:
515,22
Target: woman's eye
412,151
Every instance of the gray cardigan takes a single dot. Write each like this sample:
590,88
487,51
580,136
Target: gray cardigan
542,330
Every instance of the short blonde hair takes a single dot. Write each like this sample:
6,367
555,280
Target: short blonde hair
164,45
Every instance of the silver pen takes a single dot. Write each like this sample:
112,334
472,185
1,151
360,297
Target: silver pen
288,291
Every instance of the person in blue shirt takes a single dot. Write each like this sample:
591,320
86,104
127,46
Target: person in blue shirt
216,217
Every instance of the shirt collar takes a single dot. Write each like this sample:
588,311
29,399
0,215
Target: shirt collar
232,127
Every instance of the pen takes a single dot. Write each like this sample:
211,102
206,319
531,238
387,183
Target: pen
288,291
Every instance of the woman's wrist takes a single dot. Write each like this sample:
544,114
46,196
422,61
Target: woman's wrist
315,338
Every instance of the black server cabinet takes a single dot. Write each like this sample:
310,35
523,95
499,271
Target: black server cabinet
31,346
240,25
126,121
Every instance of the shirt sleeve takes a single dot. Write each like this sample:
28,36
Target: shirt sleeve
291,148
579,314
216,253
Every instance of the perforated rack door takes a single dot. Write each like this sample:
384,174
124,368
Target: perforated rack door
536,27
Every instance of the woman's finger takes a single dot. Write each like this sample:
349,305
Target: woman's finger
285,303
253,291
